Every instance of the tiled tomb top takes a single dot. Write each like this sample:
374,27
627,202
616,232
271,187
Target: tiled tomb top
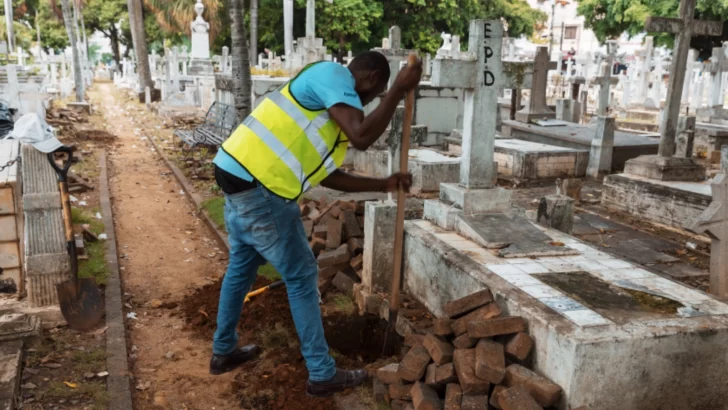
519,273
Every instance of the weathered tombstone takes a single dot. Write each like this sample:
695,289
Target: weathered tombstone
483,74
184,57
348,58
654,100
537,109
200,62
665,166
685,137
13,90
225,60
714,223
606,80
644,74
392,49
692,57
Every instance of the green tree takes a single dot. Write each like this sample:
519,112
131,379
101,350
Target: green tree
610,18
104,16
346,22
422,21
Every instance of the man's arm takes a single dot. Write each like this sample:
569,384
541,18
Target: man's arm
364,131
341,181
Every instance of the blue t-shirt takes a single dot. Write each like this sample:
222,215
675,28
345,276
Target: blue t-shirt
319,87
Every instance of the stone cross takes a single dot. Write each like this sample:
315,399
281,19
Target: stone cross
224,60
646,54
184,57
310,19
13,90
606,79
718,65
714,222
689,67
684,29
174,72
537,109
654,101
482,74
349,57
391,48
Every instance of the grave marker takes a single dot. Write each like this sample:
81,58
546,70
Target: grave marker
606,79
684,29
714,222
665,166
537,109
482,74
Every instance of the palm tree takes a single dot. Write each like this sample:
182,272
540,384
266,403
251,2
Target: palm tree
139,38
175,16
253,32
77,76
240,59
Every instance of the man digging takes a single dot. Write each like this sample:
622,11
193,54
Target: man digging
294,140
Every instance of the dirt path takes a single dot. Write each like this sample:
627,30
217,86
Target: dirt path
165,252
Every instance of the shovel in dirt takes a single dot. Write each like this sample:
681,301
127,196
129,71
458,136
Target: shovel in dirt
80,299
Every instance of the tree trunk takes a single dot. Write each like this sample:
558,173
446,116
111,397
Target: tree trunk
114,39
79,45
240,60
77,75
253,33
139,38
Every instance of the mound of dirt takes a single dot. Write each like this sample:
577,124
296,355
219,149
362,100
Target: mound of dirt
277,380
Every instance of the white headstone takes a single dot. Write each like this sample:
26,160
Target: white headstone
200,34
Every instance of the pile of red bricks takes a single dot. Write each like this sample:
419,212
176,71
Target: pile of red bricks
336,235
472,359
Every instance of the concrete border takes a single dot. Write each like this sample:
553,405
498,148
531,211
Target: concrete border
118,384
196,199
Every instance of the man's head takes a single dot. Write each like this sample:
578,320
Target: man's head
371,72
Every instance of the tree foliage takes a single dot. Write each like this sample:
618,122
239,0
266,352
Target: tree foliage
610,18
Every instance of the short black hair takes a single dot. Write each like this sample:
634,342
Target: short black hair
371,61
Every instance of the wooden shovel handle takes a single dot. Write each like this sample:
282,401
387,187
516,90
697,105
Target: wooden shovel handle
409,104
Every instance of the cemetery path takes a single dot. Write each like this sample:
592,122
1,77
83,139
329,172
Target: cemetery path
165,252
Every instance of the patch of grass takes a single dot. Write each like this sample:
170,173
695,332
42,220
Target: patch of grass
276,337
92,361
215,208
269,272
95,266
344,304
95,390
81,216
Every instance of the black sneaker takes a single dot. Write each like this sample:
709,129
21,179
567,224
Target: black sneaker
223,364
342,380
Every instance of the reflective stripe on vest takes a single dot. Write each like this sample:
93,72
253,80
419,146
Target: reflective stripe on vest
286,147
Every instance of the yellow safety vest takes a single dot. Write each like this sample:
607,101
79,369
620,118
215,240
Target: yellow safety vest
286,147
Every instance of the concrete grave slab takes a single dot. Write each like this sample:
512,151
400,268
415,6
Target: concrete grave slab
523,161
429,168
670,203
513,235
11,359
587,319
579,137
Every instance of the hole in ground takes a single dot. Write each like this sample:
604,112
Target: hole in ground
359,338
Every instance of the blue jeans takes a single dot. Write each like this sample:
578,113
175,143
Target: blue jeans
264,227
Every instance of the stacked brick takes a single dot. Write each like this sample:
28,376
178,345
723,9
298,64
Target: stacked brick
336,236
473,359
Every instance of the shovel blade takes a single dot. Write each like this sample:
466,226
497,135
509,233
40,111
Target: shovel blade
81,303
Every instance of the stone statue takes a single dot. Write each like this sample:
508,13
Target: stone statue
199,25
